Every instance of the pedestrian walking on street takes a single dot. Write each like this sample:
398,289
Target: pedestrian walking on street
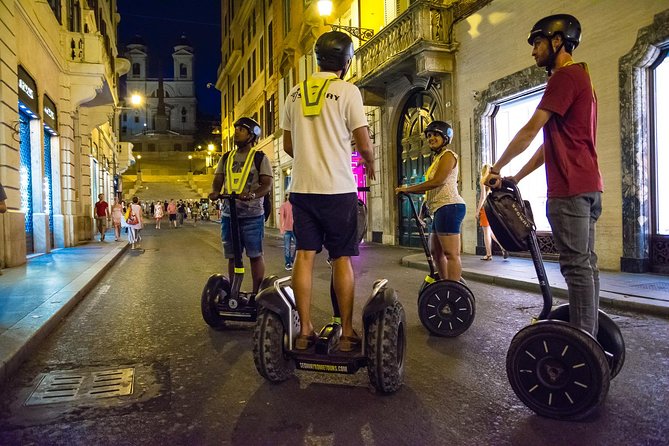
443,201
321,114
158,214
567,114
248,173
286,228
135,223
172,213
101,216
117,217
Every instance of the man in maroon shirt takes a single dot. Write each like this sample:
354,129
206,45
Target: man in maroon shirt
101,216
567,114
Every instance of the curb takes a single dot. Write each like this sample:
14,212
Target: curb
606,298
19,341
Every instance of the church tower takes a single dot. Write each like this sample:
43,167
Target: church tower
183,60
138,56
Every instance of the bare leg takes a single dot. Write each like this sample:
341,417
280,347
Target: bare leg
344,285
257,272
446,252
487,240
302,286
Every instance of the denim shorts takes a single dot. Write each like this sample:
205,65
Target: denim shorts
326,220
448,219
251,234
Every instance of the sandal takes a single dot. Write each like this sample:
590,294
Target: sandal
486,258
505,253
304,342
349,343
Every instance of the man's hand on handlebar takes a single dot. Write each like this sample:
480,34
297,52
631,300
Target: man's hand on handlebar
213,196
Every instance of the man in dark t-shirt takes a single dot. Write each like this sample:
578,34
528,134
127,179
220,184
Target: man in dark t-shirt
567,114
101,216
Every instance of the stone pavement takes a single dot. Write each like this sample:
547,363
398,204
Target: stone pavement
35,297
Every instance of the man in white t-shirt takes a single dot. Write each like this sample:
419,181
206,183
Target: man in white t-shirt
321,114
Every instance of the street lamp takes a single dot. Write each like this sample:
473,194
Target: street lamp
325,9
190,160
139,164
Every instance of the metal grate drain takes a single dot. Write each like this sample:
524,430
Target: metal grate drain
654,286
76,385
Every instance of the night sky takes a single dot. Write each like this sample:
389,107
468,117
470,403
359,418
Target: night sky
161,23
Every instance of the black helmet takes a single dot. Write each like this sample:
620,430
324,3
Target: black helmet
251,125
564,24
333,50
441,127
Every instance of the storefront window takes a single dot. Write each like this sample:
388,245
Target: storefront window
661,146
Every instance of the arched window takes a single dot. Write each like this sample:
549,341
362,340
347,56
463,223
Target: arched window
135,69
183,70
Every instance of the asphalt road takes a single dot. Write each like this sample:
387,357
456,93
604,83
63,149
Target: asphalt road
194,385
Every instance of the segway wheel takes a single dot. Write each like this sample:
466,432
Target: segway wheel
269,348
557,370
385,344
446,308
608,336
216,289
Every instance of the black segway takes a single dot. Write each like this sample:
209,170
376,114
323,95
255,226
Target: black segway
445,307
222,299
556,369
383,345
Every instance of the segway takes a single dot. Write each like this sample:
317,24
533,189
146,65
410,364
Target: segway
383,343
222,299
445,307
556,369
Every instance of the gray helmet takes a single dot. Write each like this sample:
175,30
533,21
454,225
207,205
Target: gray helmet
251,125
564,24
333,50
441,127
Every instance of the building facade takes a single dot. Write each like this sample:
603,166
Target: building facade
166,118
468,62
58,145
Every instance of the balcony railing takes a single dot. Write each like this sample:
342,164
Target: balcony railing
424,20
84,47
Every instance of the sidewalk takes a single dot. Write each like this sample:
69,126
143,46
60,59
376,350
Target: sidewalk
637,292
34,297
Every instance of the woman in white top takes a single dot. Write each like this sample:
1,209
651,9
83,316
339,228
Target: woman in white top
134,222
443,201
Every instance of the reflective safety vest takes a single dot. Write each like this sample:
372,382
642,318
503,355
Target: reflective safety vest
313,92
235,181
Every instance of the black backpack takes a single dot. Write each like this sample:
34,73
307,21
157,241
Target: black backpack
257,161
510,220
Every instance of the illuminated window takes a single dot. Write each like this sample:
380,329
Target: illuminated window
508,119
660,153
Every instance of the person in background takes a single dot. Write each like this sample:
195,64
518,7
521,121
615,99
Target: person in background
567,114
134,222
488,235
3,200
101,216
443,200
158,213
172,212
286,228
117,217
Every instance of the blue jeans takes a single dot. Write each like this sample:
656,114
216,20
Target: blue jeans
573,222
289,247
251,234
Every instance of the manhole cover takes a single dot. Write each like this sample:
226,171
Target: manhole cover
74,385
654,286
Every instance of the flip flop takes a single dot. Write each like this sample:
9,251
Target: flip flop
486,258
304,342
